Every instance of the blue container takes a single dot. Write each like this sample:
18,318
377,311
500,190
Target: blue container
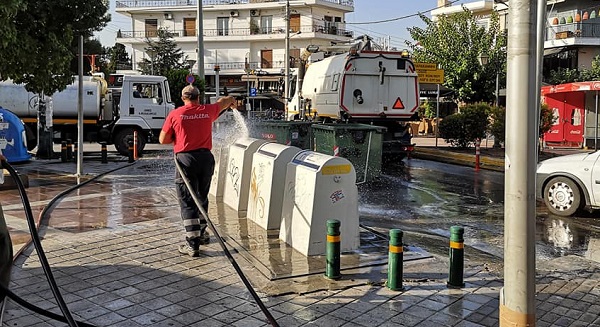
12,136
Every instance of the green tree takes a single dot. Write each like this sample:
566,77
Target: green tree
39,35
117,58
456,42
177,82
37,46
165,55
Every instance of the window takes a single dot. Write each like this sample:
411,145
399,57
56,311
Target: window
266,24
335,82
147,92
189,27
151,26
223,26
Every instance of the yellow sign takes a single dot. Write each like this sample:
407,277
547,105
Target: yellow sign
424,66
336,170
431,77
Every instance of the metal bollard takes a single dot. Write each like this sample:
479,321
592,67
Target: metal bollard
6,255
75,152
103,153
135,145
457,257
477,153
69,150
130,143
63,151
395,260
332,251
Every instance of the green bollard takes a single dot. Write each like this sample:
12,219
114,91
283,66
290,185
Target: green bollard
457,257
395,260
332,254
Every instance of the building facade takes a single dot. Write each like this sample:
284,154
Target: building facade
245,38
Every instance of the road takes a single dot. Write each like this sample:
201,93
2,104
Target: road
426,198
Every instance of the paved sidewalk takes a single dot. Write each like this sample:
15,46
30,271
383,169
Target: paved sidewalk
112,248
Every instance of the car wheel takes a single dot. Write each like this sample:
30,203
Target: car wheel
562,196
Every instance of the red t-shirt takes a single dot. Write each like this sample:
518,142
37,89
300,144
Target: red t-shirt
191,126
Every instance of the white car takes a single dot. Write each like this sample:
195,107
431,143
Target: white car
569,183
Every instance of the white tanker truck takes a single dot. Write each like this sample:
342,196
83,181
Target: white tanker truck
110,114
369,87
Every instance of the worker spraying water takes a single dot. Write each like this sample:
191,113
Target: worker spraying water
189,128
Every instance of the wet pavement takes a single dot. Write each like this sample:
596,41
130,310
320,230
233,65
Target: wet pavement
112,247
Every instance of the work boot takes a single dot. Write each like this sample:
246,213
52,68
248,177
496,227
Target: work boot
191,247
204,238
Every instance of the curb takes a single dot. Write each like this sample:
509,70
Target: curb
462,159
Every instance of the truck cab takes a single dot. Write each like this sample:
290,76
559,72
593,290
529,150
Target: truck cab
143,104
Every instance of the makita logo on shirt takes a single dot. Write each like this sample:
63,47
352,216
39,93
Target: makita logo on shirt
194,116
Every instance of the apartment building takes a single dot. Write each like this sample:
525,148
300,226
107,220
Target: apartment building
572,36
246,38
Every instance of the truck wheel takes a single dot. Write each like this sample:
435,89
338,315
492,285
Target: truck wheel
122,141
31,138
562,196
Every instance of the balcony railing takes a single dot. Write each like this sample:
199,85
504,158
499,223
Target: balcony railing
332,30
579,30
174,3
252,66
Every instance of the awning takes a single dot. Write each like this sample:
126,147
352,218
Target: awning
430,91
552,51
266,78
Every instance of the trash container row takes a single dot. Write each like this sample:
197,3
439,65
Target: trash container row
361,144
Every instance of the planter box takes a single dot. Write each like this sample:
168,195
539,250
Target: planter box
564,35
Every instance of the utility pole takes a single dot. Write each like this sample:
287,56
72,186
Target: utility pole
517,297
200,45
286,92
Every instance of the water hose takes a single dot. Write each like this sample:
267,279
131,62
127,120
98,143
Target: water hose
237,268
68,318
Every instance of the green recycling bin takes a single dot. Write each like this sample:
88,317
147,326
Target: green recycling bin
361,144
294,133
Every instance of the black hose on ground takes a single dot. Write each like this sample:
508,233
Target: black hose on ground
237,268
68,318
38,245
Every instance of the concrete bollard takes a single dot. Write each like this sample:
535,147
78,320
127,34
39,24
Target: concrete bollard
332,251
395,260
103,153
63,151
69,150
457,257
131,158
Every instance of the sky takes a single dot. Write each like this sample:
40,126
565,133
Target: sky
364,20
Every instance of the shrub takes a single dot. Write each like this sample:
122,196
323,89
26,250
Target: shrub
464,128
497,123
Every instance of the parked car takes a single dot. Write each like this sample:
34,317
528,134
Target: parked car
569,183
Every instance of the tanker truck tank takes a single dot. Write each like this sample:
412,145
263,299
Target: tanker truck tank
23,103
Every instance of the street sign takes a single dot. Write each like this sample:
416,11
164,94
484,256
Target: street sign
425,66
252,91
431,76
190,79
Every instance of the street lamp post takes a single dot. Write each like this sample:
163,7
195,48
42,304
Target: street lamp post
287,58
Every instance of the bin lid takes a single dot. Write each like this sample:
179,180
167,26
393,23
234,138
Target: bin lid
328,165
245,142
353,127
275,149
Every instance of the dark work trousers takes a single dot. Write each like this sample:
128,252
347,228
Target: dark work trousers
198,166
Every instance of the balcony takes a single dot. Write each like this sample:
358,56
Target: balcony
176,3
574,30
240,32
